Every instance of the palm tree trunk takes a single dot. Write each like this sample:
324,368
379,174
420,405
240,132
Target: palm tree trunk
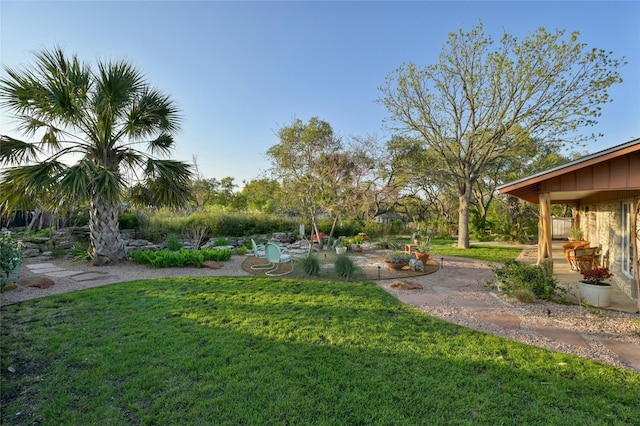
104,227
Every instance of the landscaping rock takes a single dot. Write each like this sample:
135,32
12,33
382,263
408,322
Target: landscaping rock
10,286
406,285
40,282
416,265
212,264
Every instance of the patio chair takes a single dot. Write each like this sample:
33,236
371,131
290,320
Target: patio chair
277,256
259,251
571,246
582,259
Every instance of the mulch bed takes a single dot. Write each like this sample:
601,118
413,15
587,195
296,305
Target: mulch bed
370,270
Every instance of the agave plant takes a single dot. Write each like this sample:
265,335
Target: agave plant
90,124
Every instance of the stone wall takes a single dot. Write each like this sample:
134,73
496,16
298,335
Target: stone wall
602,226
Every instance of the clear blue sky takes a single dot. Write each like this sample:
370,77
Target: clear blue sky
241,70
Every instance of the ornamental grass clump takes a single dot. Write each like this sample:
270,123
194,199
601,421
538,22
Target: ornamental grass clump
596,276
310,265
345,267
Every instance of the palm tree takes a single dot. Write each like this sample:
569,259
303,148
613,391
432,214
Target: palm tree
88,125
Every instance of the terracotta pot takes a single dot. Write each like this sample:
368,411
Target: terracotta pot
598,295
424,257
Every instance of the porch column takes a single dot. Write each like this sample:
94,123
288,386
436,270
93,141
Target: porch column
544,230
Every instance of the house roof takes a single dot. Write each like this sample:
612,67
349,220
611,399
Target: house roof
608,174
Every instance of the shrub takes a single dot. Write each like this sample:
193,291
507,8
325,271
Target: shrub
80,252
232,224
181,258
128,221
345,268
513,276
524,296
10,257
387,243
222,241
219,255
174,243
310,265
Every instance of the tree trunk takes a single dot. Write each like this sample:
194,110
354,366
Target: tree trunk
36,216
463,218
106,245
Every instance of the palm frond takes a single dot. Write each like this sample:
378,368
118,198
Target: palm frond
132,158
168,182
76,182
53,92
25,184
118,84
162,145
107,184
14,151
154,111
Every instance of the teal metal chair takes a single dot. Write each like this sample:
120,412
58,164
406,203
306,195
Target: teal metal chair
259,251
277,256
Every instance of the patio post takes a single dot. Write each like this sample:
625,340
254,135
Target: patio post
545,232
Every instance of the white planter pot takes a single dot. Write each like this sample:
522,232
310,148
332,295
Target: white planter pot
595,295
341,250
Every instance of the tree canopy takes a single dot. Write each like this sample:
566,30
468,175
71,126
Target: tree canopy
480,103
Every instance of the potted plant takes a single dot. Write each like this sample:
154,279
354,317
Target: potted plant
396,261
416,238
343,246
422,251
10,259
576,235
593,289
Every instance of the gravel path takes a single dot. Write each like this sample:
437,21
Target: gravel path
456,293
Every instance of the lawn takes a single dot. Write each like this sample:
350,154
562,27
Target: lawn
499,254
253,350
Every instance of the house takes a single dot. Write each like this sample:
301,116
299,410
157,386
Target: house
604,189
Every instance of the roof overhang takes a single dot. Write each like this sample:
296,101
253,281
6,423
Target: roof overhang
615,171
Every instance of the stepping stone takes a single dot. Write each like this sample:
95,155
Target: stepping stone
46,269
562,335
40,265
89,276
630,352
503,320
63,273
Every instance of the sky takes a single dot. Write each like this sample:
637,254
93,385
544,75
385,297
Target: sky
241,70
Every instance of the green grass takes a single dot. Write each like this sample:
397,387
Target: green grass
248,350
489,253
